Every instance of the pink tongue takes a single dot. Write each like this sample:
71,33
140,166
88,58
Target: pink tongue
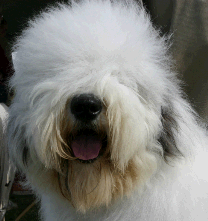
86,147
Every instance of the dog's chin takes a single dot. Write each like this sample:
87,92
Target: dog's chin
87,145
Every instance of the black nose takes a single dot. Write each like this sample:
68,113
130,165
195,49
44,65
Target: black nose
86,107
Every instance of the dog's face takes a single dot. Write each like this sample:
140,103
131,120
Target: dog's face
92,110
98,142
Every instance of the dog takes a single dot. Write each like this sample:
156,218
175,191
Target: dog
99,123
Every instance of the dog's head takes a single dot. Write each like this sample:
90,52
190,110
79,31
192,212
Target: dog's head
92,104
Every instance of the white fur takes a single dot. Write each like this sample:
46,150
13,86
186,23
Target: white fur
3,124
3,117
113,51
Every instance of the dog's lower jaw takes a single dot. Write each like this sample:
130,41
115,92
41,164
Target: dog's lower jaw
91,186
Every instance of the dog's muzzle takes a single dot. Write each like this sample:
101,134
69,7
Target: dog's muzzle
86,144
86,107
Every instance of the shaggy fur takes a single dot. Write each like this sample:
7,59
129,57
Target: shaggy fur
154,154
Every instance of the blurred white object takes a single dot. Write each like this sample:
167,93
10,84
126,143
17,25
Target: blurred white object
7,170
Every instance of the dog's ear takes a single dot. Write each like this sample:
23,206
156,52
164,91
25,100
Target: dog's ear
168,133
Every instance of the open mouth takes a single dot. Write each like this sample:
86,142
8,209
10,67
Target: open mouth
87,145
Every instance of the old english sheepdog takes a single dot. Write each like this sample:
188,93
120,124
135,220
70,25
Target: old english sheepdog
99,123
